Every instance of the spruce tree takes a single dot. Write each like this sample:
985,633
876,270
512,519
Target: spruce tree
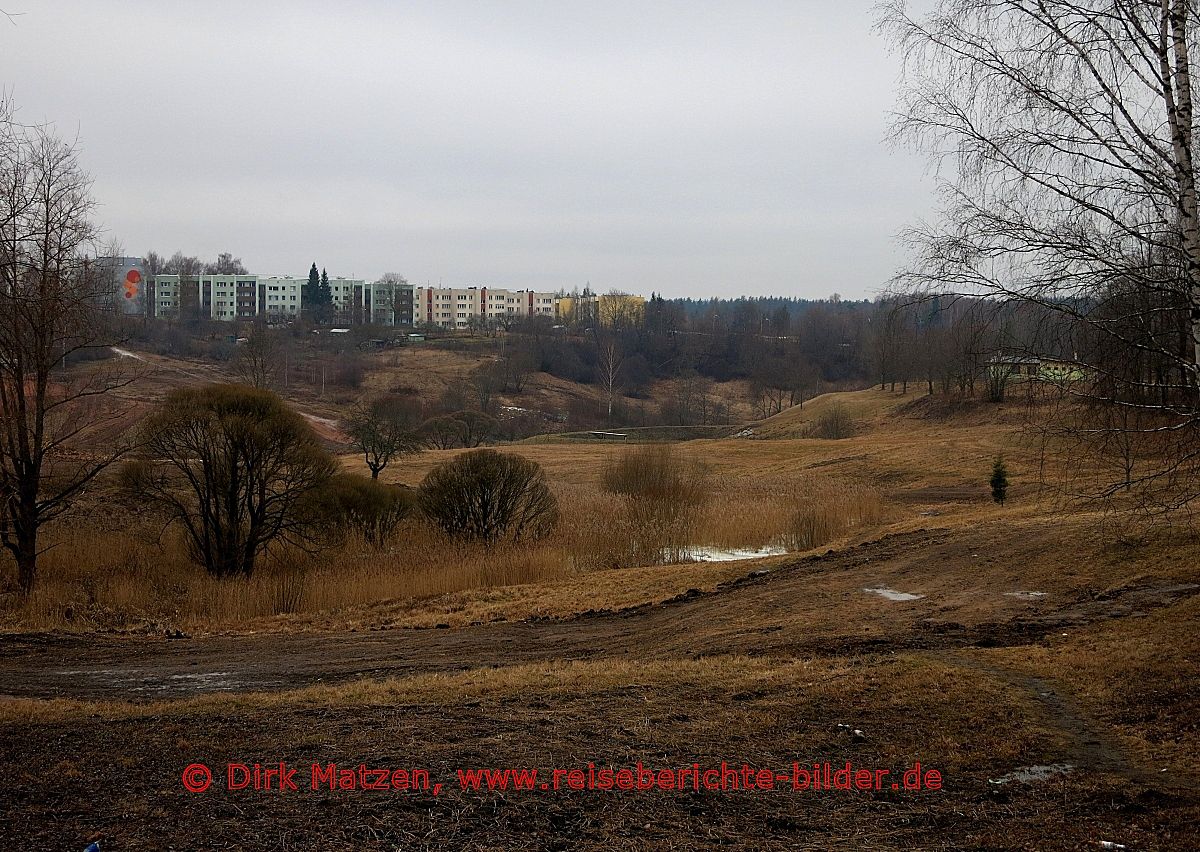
311,289
324,295
999,480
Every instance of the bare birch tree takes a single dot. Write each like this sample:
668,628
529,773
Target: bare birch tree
608,363
55,308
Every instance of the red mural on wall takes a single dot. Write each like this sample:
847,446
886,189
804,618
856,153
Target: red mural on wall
132,283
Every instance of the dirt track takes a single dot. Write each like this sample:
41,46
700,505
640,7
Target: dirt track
786,612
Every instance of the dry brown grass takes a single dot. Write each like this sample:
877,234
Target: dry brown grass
862,408
892,450
906,682
799,515
759,493
1136,675
93,580
544,678
918,708
1125,667
798,493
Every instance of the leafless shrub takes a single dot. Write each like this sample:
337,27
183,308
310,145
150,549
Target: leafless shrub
486,496
259,361
347,370
372,509
442,433
461,429
834,423
477,427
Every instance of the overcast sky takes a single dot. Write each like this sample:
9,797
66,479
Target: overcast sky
690,148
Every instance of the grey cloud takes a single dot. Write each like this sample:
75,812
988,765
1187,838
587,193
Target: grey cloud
691,148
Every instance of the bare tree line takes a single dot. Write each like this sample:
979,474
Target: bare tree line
187,266
1065,134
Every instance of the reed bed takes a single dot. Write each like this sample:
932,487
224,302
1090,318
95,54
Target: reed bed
131,578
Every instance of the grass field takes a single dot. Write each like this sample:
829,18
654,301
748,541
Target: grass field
799,494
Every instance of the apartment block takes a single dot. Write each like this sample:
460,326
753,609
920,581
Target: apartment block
452,307
218,297
608,309
276,298
280,298
376,302
354,301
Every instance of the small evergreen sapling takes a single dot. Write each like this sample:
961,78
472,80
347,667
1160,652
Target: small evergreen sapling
999,480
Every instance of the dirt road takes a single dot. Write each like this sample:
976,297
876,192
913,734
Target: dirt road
817,606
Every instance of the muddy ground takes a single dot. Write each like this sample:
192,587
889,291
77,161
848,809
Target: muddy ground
894,683
785,611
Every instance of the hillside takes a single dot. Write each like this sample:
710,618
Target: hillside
435,376
865,408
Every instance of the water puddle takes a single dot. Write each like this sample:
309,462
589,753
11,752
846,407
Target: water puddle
201,676
893,595
137,680
722,554
1026,596
1033,774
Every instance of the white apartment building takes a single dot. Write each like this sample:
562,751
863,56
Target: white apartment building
276,298
227,297
460,307
355,301
347,296
374,302
279,298
164,297
387,303
218,297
